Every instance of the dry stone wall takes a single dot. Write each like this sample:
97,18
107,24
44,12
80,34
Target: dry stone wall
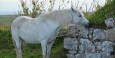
90,43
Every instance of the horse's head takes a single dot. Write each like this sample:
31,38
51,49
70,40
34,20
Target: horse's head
79,18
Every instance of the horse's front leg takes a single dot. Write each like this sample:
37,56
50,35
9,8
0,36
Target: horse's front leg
44,48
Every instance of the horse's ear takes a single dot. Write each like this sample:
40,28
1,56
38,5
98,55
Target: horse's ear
73,9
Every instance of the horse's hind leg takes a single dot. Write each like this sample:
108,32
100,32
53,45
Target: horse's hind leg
18,42
49,46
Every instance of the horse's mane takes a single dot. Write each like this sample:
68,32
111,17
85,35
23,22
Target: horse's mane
61,16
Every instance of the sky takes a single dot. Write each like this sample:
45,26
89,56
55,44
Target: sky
9,6
12,6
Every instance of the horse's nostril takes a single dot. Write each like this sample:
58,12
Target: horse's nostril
112,53
88,25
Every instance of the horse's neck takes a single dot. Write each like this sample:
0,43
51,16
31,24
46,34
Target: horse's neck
63,17
64,23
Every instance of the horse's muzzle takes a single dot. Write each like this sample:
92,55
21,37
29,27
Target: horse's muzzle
112,53
88,25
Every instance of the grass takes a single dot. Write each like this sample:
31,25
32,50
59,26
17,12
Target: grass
7,49
33,51
99,16
6,19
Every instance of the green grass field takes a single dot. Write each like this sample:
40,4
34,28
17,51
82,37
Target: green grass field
7,49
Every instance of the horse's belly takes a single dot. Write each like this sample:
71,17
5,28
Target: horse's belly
33,41
29,37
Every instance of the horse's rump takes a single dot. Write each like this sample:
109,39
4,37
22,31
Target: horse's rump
20,20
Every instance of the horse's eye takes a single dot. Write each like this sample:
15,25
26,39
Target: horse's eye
80,16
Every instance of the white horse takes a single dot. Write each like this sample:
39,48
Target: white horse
44,28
